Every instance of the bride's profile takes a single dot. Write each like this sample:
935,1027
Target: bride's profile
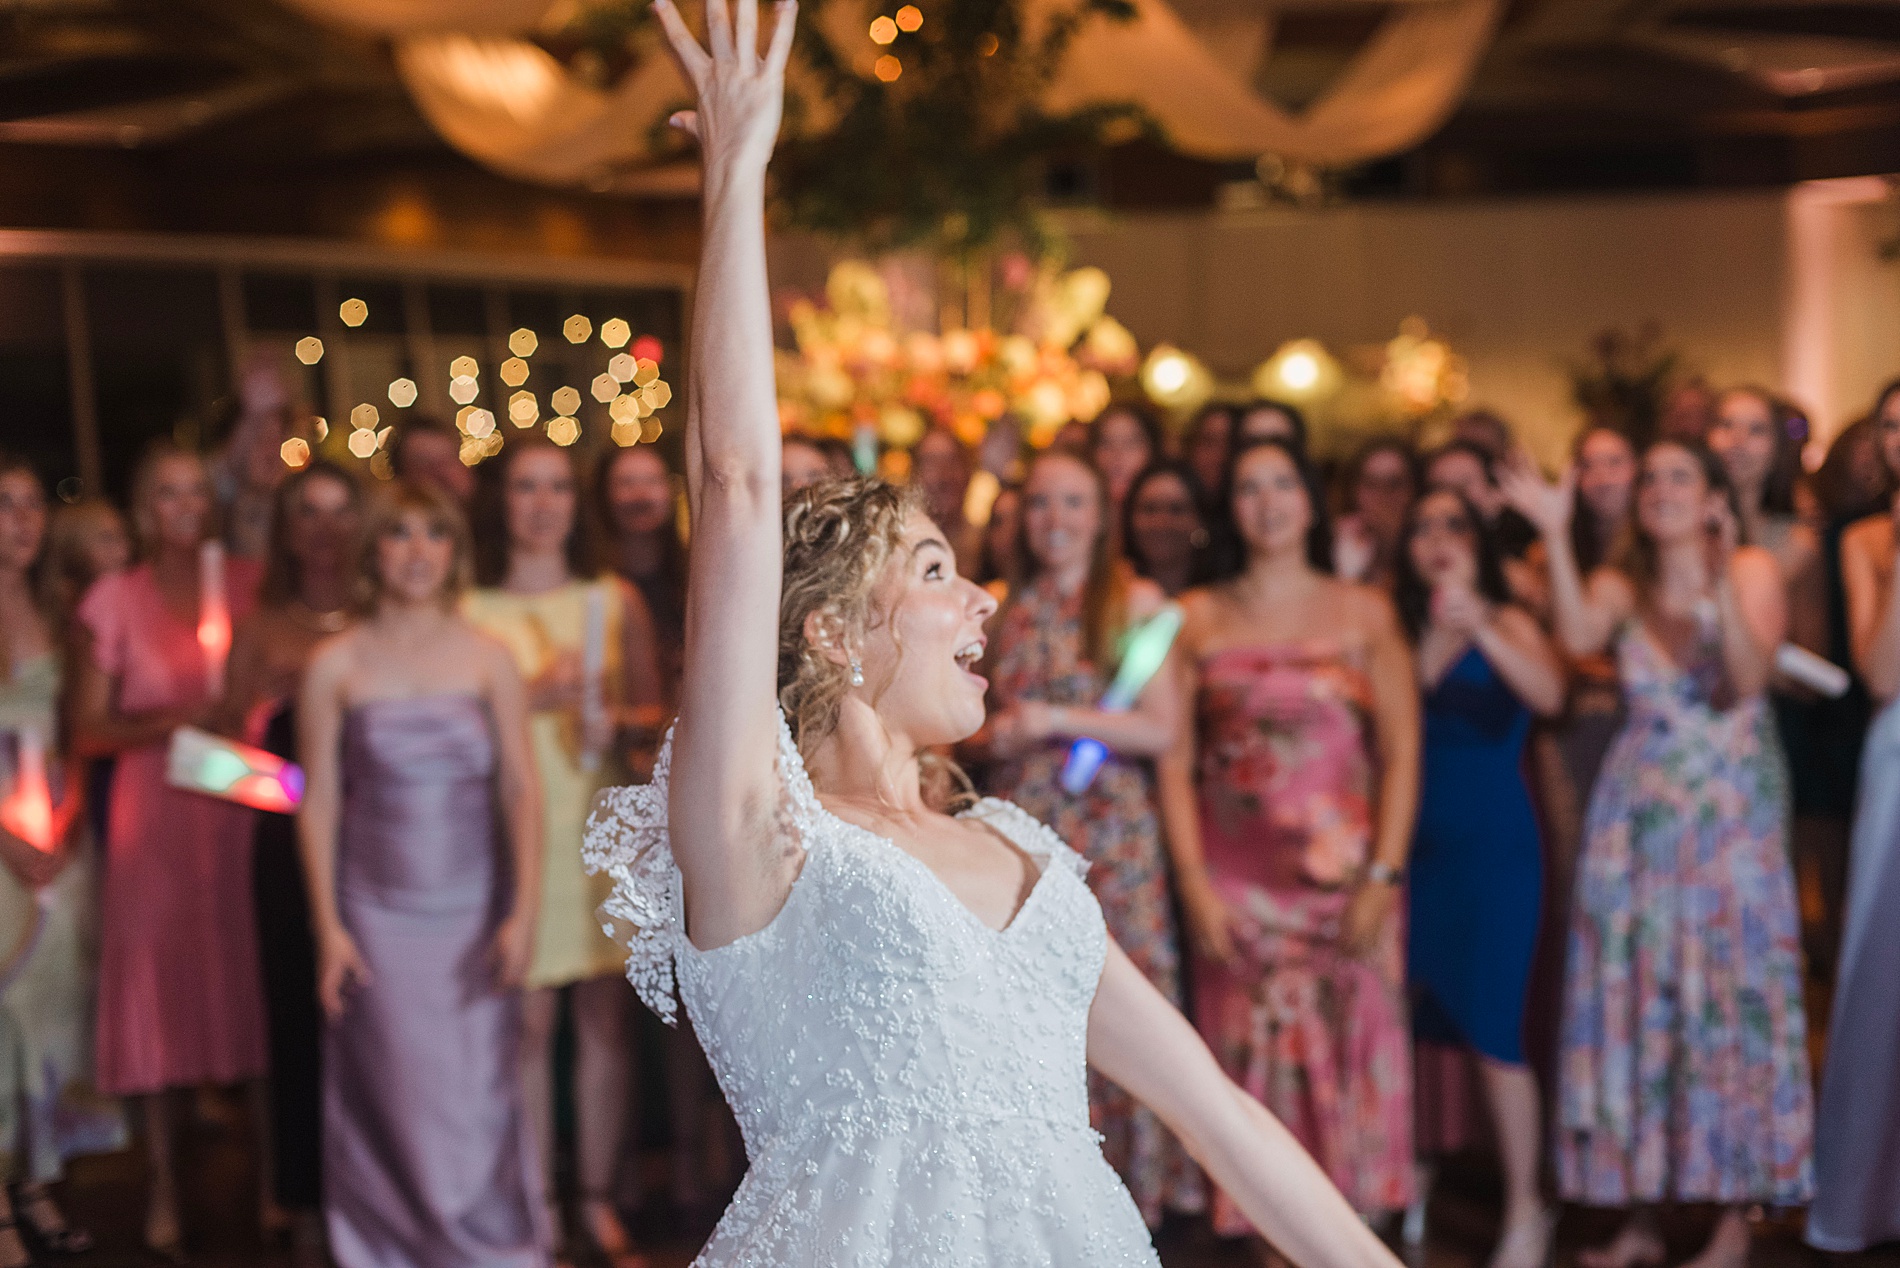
899,1001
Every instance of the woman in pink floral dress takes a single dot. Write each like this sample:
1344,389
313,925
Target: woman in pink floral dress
1683,1069
1052,655
1289,808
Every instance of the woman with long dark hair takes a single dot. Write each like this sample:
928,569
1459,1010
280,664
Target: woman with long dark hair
584,644
1164,534
1684,1070
1289,809
1056,645
637,505
304,599
1476,879
50,1111
1379,484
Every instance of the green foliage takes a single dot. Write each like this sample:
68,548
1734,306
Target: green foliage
949,155
1626,381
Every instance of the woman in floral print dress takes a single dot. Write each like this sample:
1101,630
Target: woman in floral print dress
1052,656
1289,807
1683,1071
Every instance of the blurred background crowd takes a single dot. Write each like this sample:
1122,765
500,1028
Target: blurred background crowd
1473,808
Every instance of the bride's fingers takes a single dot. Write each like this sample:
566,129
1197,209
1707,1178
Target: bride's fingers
745,32
686,51
686,121
718,29
784,20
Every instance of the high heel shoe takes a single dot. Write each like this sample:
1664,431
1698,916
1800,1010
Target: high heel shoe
46,1225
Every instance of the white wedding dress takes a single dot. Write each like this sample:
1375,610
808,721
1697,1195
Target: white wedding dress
910,1082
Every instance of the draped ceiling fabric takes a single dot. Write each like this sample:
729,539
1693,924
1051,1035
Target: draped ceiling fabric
507,103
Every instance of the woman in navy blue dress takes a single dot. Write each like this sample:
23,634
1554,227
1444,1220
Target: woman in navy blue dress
1476,867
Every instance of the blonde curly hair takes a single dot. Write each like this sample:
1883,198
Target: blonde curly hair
839,536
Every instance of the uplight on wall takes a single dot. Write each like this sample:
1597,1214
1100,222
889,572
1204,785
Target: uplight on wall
1301,370
1175,379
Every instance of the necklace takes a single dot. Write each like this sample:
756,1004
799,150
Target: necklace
319,622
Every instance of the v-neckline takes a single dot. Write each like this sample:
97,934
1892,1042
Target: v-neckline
1451,667
1040,862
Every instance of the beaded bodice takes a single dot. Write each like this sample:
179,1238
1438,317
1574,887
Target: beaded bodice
875,998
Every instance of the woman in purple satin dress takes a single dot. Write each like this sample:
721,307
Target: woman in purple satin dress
421,836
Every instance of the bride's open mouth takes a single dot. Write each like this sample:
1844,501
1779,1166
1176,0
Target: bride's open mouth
969,656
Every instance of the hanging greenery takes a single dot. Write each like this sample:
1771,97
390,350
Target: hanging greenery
942,145
926,131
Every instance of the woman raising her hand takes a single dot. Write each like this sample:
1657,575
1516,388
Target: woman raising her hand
1683,1072
900,1001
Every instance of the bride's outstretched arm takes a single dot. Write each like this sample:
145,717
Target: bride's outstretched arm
1141,1041
724,789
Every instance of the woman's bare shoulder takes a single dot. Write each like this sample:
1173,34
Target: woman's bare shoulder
1871,536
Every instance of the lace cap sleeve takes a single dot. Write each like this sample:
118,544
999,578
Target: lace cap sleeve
627,839
1030,834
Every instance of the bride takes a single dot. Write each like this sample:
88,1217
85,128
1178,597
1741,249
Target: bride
898,1001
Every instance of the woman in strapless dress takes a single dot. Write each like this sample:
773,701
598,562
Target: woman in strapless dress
421,839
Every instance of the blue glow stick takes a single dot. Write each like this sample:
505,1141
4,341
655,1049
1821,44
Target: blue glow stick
1147,650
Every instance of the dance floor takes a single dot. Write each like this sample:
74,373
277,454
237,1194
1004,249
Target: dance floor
106,1194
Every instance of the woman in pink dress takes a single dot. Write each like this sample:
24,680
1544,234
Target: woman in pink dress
1288,808
179,1000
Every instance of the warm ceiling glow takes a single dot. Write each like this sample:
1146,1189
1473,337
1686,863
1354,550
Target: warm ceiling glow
888,68
354,312
310,350
910,18
883,31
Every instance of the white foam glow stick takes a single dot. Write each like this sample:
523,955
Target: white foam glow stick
1809,670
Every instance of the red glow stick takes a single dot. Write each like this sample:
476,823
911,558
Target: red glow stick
27,811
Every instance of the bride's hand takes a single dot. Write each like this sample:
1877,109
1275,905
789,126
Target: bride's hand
740,95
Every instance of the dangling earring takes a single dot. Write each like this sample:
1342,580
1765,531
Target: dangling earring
857,674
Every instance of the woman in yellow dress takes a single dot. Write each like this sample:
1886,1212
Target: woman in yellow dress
584,643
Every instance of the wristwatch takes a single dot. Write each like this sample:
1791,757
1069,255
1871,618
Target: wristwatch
1385,875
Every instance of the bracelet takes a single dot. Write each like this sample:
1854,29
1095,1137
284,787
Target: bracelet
1384,874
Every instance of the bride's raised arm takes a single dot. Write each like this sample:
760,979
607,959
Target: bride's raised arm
724,789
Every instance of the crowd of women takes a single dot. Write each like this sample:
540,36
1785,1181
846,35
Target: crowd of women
1449,767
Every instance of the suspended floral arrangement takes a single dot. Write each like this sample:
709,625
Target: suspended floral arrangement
854,373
